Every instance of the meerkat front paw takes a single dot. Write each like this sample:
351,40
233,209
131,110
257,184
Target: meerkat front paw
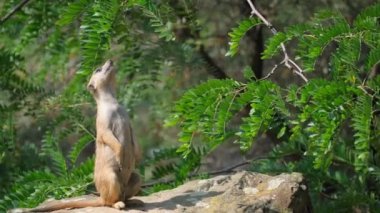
118,157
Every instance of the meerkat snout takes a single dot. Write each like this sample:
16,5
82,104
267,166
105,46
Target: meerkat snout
108,66
109,62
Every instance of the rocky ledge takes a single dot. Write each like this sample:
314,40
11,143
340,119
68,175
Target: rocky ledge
239,192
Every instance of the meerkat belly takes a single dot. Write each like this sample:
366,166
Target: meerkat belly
105,156
105,165
104,160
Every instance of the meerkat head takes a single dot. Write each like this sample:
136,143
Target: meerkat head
102,79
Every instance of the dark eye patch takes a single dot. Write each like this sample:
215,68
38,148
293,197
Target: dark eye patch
98,70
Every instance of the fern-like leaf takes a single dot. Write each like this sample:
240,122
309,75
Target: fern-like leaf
237,34
373,58
79,146
318,36
95,33
73,10
344,60
163,27
50,149
266,104
206,109
274,45
362,118
368,18
162,154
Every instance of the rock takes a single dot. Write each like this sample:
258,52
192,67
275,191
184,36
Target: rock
239,192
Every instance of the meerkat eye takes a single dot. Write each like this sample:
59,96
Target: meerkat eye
97,70
91,87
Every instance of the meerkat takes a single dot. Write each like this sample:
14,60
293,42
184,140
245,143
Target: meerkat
117,152
116,149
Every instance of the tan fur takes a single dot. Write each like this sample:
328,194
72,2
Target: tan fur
116,149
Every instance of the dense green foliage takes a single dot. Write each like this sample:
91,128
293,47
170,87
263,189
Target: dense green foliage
328,128
53,102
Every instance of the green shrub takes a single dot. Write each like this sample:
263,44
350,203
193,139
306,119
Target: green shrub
330,125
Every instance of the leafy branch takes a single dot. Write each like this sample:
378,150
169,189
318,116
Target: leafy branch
287,61
13,11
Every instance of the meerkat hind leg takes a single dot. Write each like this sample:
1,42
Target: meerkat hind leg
109,189
133,186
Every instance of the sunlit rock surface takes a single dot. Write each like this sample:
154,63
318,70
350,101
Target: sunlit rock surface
239,192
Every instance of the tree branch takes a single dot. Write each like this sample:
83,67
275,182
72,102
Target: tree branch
186,32
13,11
214,69
289,63
218,172
273,70
256,37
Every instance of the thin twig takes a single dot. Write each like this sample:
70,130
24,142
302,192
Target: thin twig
230,169
273,70
237,92
218,172
289,63
13,11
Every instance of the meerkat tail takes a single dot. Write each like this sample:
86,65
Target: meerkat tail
61,204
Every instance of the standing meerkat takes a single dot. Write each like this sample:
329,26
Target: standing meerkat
116,149
117,152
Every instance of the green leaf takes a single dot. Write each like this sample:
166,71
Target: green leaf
274,45
318,37
248,73
281,132
237,34
373,58
362,118
73,11
95,35
368,18
79,146
160,24
267,106
344,60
